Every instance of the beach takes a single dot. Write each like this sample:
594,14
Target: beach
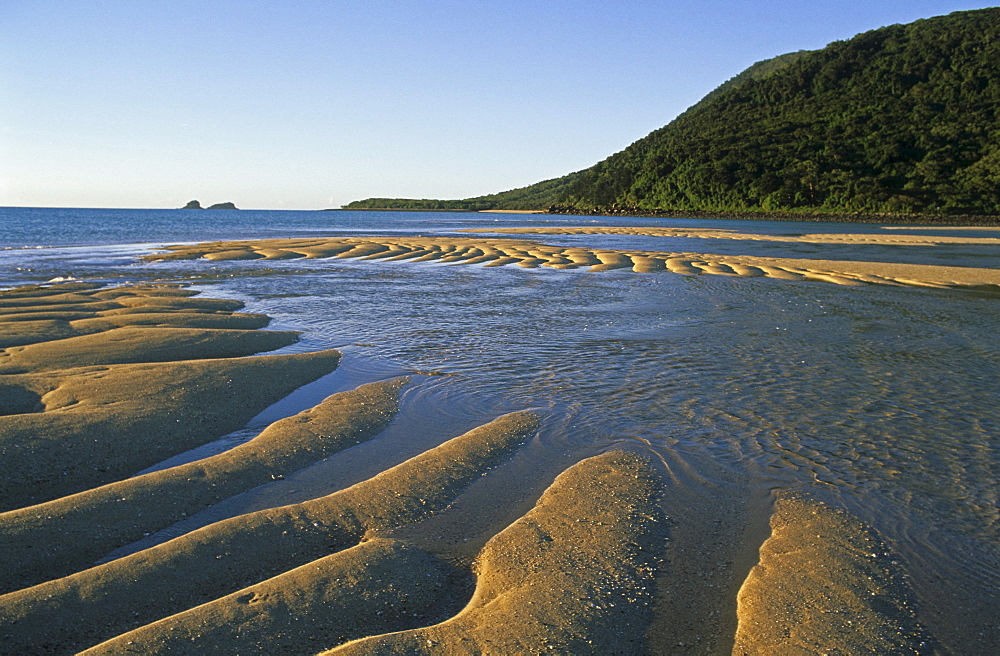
477,492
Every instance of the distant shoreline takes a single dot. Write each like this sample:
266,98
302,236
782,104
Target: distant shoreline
832,217
975,220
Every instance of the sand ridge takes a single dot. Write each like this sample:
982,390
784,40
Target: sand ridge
492,252
378,586
94,605
826,583
573,576
576,574
57,538
76,410
43,313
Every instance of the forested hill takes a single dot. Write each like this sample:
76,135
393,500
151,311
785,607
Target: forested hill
902,119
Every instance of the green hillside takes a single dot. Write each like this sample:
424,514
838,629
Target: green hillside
901,119
537,196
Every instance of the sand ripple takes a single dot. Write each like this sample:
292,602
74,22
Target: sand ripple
501,252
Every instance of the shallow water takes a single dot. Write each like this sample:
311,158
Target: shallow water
882,400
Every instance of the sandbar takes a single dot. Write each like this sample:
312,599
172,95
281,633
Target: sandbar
490,252
96,406
86,608
826,583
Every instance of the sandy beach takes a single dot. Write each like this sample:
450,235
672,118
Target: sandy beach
100,383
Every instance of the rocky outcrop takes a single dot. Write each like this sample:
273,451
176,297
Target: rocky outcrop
195,205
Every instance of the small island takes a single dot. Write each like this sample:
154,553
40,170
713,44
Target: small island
195,205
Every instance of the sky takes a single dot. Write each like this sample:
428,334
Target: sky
292,104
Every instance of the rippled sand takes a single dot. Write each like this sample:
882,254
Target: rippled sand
491,252
115,380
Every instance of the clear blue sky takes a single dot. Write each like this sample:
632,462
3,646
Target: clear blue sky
304,105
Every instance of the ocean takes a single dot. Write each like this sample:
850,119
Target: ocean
881,400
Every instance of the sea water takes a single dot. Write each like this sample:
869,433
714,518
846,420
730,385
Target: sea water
882,400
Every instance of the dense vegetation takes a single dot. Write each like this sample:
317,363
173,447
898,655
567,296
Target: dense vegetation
899,119
538,196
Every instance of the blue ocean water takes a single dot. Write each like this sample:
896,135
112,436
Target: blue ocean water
881,400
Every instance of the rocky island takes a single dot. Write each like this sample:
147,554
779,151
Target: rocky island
195,205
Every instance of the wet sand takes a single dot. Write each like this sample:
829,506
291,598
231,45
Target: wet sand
826,583
116,380
490,252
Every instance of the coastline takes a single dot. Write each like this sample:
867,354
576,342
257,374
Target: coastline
831,217
936,220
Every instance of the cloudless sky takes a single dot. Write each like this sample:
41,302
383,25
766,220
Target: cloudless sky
289,104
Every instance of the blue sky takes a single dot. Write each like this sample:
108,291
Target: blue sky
306,105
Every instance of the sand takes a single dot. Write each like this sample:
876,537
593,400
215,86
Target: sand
573,576
38,314
489,251
81,610
826,583
91,409
512,211
549,581
116,380
57,538
378,586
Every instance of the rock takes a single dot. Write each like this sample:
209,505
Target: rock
222,206
192,205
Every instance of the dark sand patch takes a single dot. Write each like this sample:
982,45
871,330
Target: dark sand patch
573,576
826,584
84,609
57,538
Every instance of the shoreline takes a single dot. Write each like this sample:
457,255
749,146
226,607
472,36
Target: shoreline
818,217
935,220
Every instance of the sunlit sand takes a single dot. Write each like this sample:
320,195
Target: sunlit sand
492,252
